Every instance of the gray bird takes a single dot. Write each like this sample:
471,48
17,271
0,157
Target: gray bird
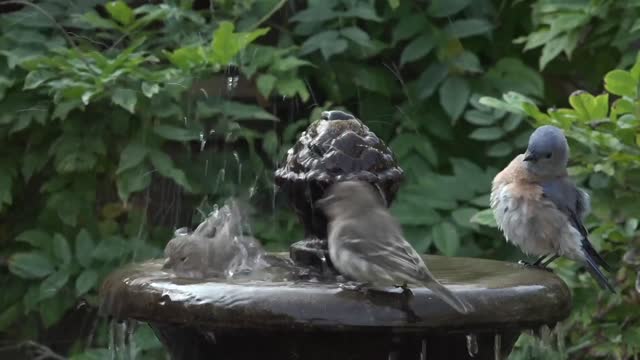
366,243
216,248
540,209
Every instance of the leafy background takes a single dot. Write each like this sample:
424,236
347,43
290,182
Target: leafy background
120,122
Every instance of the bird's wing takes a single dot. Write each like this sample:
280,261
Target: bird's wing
575,204
385,247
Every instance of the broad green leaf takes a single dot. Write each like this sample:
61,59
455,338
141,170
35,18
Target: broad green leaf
132,180
454,95
53,309
288,86
485,217
52,284
132,155
500,149
480,118
150,89
120,11
363,11
6,183
84,248
176,133
328,42
30,265
315,13
468,62
589,107
265,84
36,238
86,281
9,316
61,249
487,133
620,82
417,48
468,27
288,63
552,49
445,8
446,238
408,27
187,57
357,35
36,78
165,166
411,214
462,216
430,79
512,121
226,43
126,98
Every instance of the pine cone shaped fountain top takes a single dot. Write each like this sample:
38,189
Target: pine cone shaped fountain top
336,148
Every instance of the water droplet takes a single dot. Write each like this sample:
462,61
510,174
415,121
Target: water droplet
232,82
497,345
181,231
237,157
472,344
203,141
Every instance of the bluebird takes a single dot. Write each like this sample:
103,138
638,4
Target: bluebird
366,243
540,210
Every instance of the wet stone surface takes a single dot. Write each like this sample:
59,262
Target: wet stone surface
504,295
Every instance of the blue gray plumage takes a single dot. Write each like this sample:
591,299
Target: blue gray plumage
540,209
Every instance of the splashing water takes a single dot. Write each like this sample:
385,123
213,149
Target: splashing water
423,349
472,344
120,343
239,163
183,231
218,247
232,82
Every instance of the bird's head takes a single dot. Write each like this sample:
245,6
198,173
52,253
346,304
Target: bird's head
547,154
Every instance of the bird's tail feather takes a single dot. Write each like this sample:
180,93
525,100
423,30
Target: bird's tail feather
447,296
590,250
595,272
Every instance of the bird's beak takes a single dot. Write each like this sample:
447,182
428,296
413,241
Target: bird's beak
324,201
529,156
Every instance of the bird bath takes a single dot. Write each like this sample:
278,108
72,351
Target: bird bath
295,309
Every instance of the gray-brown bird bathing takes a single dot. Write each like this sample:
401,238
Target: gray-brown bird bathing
299,311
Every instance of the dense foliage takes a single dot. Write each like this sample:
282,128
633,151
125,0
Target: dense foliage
120,123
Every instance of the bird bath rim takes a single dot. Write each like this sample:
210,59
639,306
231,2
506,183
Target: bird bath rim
504,296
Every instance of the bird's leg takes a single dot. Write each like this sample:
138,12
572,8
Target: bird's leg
549,260
405,290
536,263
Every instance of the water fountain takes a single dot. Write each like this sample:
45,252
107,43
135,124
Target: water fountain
296,309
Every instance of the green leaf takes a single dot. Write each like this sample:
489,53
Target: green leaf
622,83
408,27
176,133
468,27
500,149
316,13
165,166
5,189
487,134
265,84
328,42
417,48
226,44
53,309
52,284
132,155
357,35
132,180
30,265
86,281
411,214
84,248
469,62
150,89
9,316
454,95
485,217
431,78
120,11
552,49
36,78
463,216
445,8
126,98
61,249
589,107
36,238
445,237
480,118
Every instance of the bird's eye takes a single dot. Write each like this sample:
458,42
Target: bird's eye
548,155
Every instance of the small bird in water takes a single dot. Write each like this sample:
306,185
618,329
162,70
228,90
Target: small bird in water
216,248
366,243
539,209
